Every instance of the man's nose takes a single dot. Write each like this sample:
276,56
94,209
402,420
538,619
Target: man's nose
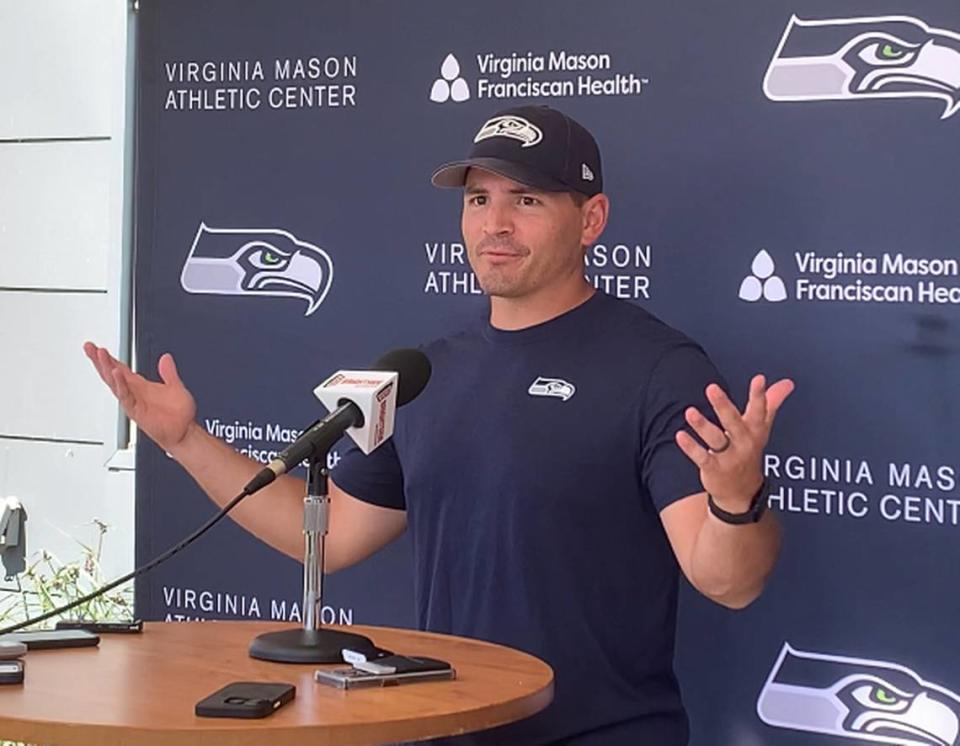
498,220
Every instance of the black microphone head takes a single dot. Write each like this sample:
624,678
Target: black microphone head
412,368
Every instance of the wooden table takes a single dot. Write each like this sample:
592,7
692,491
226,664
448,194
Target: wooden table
141,689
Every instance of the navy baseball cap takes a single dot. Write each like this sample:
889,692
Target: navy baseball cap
533,145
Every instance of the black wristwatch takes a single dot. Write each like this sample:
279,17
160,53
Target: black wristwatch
752,515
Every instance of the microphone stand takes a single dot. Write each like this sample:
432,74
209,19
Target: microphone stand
311,643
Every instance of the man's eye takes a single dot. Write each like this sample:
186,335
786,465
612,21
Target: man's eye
478,199
528,201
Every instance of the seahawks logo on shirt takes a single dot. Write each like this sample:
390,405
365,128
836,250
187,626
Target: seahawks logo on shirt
875,57
867,700
555,387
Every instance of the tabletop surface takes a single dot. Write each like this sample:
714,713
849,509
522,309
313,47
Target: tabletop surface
142,688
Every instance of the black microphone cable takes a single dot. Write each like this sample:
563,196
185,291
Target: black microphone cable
134,573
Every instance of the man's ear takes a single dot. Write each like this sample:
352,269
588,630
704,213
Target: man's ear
595,213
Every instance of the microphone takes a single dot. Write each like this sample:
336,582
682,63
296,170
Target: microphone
362,404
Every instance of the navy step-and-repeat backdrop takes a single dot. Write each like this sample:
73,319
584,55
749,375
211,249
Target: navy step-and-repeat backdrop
784,186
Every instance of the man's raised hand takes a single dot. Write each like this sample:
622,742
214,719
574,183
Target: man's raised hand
730,465
163,410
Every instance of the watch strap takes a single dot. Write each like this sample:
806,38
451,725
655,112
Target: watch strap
753,514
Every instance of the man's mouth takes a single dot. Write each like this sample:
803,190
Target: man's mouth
501,257
501,251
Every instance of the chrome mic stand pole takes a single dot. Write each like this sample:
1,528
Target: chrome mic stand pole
312,643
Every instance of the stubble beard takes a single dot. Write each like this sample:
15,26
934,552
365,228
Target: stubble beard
503,282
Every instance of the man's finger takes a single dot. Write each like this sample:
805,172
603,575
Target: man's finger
124,394
756,412
693,450
107,361
727,412
776,395
105,366
709,433
110,363
93,353
167,369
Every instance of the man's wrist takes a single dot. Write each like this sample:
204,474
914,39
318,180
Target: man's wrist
742,502
182,447
743,511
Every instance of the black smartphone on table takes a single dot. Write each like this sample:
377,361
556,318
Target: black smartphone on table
246,699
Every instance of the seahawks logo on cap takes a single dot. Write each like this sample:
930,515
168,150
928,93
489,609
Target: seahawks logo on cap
516,128
265,262
868,700
876,57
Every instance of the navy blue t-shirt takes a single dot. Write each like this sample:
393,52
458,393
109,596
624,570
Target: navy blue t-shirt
533,468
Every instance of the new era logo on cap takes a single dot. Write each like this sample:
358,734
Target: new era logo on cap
533,145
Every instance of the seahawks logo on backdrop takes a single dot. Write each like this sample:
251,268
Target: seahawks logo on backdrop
868,700
516,128
554,387
262,262
881,57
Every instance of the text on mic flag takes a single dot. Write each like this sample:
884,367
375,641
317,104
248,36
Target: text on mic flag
375,395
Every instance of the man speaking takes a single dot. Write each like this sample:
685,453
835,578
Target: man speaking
547,474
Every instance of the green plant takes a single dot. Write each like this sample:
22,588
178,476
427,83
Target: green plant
48,583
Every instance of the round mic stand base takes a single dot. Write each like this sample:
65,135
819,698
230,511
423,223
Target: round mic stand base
306,645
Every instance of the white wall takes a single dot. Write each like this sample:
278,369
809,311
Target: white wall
63,270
